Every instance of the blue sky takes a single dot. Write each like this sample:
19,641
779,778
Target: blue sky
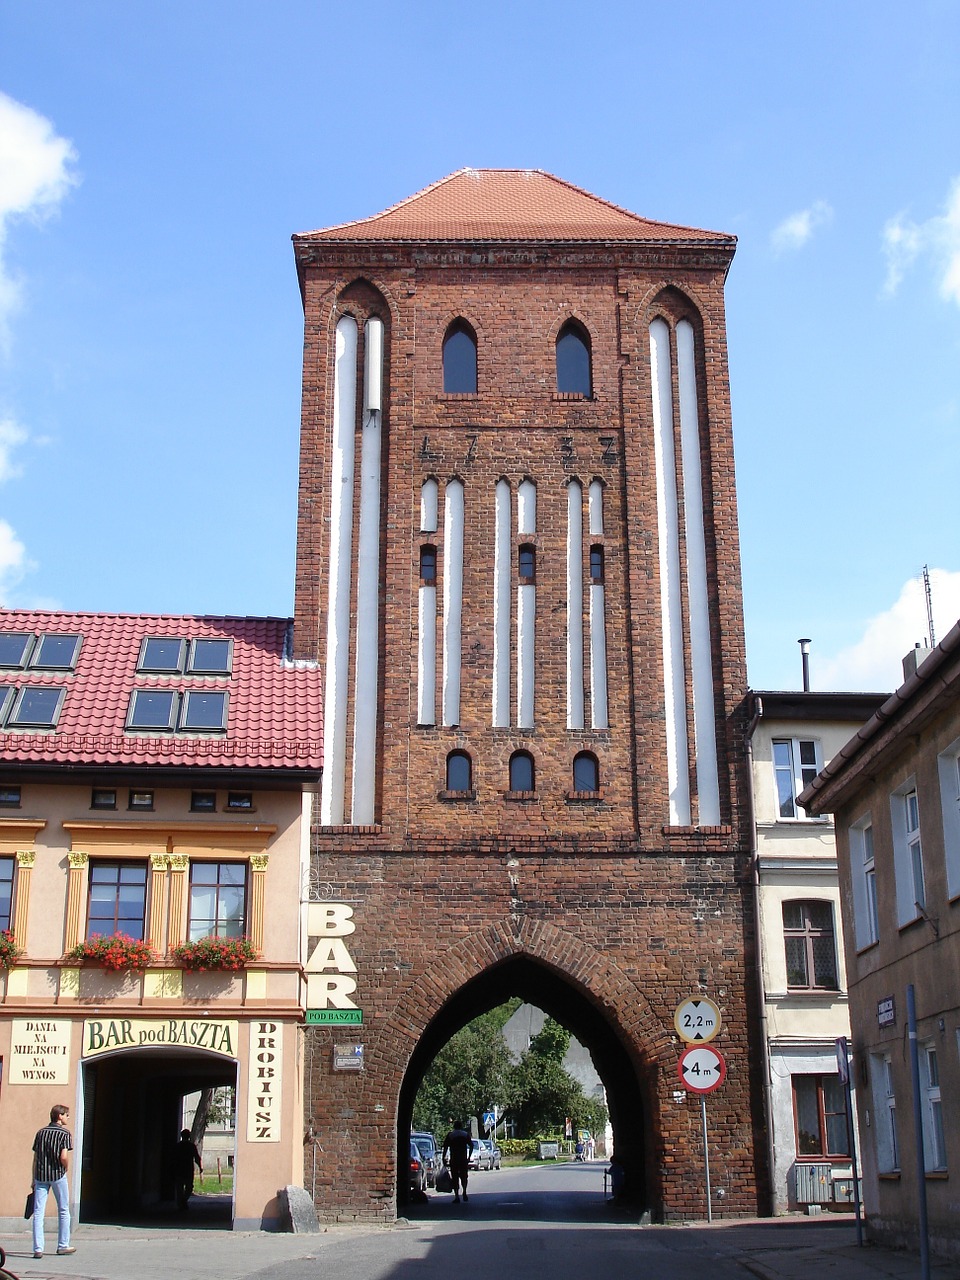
156,158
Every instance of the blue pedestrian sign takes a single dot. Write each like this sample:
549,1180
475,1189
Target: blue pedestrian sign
489,1120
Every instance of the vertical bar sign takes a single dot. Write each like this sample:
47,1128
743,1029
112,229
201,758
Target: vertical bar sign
264,1092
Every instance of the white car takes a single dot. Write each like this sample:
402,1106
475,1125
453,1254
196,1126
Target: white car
484,1154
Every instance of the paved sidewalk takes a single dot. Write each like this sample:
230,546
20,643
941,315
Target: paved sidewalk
771,1249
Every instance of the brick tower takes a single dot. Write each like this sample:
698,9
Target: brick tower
518,566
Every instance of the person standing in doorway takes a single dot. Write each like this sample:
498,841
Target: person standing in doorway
187,1157
51,1159
456,1152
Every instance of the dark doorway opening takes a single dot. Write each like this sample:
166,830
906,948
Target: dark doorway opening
132,1117
620,1069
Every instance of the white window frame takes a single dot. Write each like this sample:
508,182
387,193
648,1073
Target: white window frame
863,876
948,764
795,771
907,852
885,1114
934,1143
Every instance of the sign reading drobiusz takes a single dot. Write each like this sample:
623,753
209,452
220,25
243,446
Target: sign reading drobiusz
334,1018
697,1020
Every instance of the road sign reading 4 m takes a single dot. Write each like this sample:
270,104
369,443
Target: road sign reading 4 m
701,1069
697,1020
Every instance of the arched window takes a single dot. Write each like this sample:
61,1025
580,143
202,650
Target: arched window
460,359
521,771
428,566
586,772
527,564
459,771
573,360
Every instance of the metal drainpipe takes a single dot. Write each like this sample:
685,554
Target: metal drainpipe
761,988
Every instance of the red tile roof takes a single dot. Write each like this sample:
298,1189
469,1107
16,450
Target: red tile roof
510,204
274,716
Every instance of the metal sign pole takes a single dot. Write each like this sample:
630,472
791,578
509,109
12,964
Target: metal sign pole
706,1155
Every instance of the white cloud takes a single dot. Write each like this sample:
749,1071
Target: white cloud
794,231
13,560
35,175
874,661
11,435
904,241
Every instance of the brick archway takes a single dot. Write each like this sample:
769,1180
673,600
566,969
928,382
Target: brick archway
570,980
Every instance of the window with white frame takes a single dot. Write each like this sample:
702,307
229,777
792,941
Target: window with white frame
907,853
863,876
934,1145
796,762
885,1114
948,764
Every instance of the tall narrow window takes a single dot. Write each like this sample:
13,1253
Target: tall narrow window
934,1144
795,764
459,771
527,565
460,360
573,360
6,891
864,878
428,566
819,1111
521,771
907,853
596,565
885,1109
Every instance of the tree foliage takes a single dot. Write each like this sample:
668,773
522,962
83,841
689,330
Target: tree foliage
475,1069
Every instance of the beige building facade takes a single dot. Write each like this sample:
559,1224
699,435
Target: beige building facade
893,790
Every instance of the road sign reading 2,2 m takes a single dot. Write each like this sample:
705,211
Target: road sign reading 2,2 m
701,1069
697,1020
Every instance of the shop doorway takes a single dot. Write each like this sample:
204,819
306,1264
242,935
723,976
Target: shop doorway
131,1113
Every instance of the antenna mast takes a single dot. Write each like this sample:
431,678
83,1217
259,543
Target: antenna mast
929,595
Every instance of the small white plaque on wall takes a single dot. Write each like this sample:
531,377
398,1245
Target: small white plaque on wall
40,1051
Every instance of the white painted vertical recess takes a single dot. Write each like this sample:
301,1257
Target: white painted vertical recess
427,657
698,607
501,606
596,509
526,508
574,605
428,506
526,610
337,658
671,603
367,669
599,712
452,599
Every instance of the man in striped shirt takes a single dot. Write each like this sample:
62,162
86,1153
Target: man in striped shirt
50,1163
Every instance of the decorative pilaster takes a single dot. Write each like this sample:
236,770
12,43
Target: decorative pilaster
159,865
176,927
25,860
76,897
258,879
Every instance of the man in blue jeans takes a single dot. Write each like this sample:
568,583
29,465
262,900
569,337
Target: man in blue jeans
50,1163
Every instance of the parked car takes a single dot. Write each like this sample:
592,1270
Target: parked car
430,1154
418,1171
484,1154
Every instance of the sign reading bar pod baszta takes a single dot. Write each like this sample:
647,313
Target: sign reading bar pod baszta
105,1035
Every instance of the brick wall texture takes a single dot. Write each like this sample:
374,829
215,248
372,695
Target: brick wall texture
598,894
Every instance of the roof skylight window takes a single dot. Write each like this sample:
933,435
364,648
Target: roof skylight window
37,707
210,657
152,709
14,647
204,709
56,652
162,653
6,696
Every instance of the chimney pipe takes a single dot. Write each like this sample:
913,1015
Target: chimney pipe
805,658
